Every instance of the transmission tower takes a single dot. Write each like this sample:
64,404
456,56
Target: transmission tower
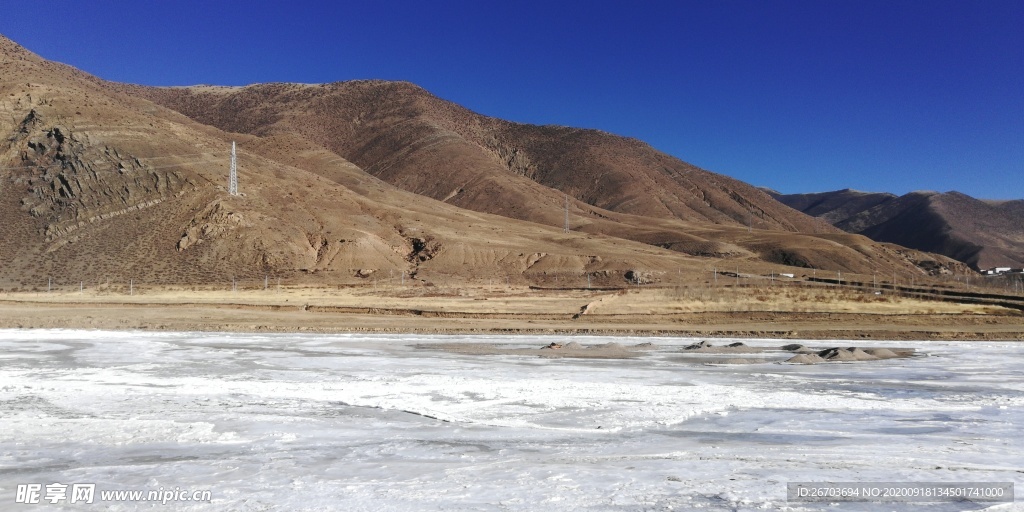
233,175
566,229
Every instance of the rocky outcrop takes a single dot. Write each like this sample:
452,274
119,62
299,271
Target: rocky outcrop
68,181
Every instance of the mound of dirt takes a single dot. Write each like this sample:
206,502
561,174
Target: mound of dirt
805,359
849,354
845,354
881,353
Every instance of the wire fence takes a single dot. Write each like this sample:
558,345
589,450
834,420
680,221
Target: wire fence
993,287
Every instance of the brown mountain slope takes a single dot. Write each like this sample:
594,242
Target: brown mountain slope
982,234
712,244
97,185
1014,208
619,187
414,140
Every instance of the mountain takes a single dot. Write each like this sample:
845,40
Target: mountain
615,186
1014,207
982,234
833,207
412,139
104,182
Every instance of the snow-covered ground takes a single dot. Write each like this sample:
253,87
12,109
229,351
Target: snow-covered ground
371,422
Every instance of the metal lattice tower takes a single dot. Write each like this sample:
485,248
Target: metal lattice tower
233,174
566,229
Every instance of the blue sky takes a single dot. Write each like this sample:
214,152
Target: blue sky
799,96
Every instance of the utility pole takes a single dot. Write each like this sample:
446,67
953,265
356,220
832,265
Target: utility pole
233,174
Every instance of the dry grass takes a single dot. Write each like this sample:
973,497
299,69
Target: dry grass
520,300
482,299
792,312
789,299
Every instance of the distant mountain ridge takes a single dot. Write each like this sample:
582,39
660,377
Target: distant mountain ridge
980,233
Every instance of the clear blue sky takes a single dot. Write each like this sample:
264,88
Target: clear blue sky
799,96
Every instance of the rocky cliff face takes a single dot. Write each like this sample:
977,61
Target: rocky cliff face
69,183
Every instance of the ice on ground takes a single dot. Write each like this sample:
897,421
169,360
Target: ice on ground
371,422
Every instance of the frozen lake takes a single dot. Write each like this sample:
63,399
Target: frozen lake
371,422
